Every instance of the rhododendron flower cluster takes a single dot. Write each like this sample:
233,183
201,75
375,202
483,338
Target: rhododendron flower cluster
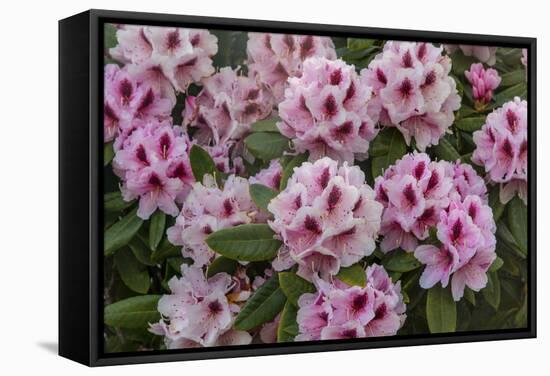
197,313
483,81
326,111
274,58
340,311
501,148
412,84
466,232
326,216
416,192
167,58
127,100
153,164
226,107
484,54
207,209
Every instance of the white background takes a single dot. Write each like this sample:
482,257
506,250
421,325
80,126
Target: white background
28,185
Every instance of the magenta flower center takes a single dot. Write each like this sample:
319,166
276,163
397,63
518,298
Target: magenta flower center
409,194
406,88
334,197
330,107
215,307
336,77
407,60
312,225
359,302
173,40
456,230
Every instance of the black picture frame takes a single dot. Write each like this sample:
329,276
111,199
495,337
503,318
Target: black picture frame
80,186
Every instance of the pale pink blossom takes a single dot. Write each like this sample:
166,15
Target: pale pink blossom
483,81
207,209
270,177
226,107
153,164
126,99
274,58
340,311
327,112
327,218
414,91
502,148
168,58
466,232
413,192
197,313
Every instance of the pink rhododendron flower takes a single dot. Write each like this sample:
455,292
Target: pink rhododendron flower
270,177
484,54
154,166
166,55
208,209
340,311
413,192
466,232
274,58
198,313
416,192
412,85
326,111
127,99
483,82
501,148
327,218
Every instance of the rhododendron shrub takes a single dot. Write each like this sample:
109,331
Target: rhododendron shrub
263,188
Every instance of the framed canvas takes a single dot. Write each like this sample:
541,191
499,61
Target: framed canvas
238,187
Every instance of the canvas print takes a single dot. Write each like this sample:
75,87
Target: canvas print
266,188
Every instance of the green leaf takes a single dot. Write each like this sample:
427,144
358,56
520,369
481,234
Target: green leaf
263,306
201,163
114,203
262,195
266,125
133,273
120,234
288,170
440,310
141,252
135,312
156,229
109,36
294,286
491,292
518,90
266,146
251,242
288,327
470,124
400,261
496,265
396,148
355,44
165,250
445,151
221,265
513,78
517,222
353,275
108,153
495,204
469,295
506,240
